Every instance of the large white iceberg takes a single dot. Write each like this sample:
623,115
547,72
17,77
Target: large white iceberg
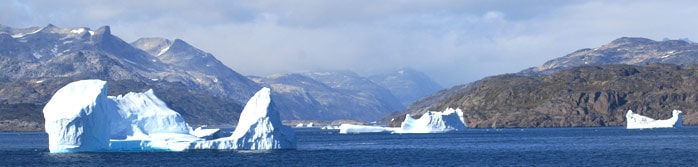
431,122
77,118
80,117
637,121
259,128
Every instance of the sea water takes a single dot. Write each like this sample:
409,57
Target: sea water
609,146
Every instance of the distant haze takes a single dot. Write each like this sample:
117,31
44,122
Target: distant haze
454,42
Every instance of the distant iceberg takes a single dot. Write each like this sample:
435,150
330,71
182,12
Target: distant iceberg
349,128
637,121
80,117
431,122
434,122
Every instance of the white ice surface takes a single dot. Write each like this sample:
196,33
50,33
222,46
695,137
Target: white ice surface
77,117
349,128
637,121
259,128
80,117
434,122
431,122
200,132
147,113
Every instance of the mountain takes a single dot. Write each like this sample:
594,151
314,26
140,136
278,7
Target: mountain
329,96
578,97
588,87
362,88
407,84
209,72
36,61
625,50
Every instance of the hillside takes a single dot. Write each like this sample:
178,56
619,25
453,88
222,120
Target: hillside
510,111
579,97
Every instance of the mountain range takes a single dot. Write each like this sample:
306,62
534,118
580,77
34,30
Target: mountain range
36,61
589,87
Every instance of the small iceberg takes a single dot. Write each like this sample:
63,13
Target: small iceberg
431,122
434,122
637,121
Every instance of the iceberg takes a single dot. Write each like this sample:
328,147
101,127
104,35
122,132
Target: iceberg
431,122
434,122
637,121
349,128
259,128
80,117
77,118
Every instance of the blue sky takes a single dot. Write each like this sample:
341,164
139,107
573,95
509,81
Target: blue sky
455,42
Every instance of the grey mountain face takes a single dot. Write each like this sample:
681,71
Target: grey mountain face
408,85
209,73
330,96
362,88
626,50
53,56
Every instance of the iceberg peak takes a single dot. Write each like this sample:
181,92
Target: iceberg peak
259,128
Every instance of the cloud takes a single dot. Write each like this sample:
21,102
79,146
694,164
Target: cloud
455,42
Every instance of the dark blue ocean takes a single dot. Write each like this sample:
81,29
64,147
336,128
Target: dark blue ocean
610,146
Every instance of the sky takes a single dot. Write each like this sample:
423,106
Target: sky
452,41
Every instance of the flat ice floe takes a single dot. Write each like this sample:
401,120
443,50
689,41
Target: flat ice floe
637,121
80,117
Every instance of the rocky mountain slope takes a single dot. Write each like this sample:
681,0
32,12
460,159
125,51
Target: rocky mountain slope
579,97
625,50
584,83
37,61
330,96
